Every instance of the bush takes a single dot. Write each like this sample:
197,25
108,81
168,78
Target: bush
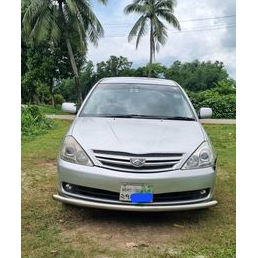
49,109
223,106
33,122
59,99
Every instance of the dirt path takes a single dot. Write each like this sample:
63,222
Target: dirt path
218,121
204,121
125,230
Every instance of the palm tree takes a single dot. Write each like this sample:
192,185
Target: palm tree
152,11
63,19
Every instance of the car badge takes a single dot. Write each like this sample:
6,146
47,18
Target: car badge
136,162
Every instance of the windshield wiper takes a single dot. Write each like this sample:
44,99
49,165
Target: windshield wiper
179,118
149,117
128,116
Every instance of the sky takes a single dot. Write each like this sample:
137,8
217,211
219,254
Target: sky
208,32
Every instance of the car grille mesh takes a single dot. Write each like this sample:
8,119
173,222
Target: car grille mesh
152,162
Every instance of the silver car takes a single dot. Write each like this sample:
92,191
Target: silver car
136,144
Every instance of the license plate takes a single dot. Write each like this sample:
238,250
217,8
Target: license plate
136,193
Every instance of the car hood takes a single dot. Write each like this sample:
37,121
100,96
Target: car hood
137,136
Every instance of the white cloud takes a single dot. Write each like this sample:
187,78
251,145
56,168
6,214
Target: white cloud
217,44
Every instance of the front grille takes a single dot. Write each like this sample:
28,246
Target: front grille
122,161
157,198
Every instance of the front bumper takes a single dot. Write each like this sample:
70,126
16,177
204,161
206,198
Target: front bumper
141,208
109,180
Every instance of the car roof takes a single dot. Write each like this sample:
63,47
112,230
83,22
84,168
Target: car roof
143,80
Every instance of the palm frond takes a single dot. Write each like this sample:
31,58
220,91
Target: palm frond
142,32
157,46
135,28
72,6
32,14
76,26
170,18
93,27
167,4
41,19
76,19
153,10
135,7
103,1
37,23
55,30
83,22
160,31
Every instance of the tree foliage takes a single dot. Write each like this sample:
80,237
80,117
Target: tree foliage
213,87
153,14
43,67
197,76
54,21
66,87
114,66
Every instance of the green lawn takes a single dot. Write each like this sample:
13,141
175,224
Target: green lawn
50,229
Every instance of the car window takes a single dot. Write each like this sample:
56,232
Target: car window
137,99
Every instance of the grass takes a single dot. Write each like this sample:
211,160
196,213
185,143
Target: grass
50,229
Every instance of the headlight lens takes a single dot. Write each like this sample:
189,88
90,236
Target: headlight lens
73,152
203,157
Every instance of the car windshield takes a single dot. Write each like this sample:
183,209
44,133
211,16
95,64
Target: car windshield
139,101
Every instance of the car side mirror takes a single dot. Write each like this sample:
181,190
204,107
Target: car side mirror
205,112
69,107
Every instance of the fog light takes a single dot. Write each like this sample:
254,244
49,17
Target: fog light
68,187
203,192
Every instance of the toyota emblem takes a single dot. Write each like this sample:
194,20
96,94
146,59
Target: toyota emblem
136,162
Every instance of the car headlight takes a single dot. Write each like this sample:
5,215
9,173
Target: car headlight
72,152
203,157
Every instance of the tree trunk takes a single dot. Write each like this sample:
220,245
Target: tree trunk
72,60
42,98
75,70
151,48
35,99
53,100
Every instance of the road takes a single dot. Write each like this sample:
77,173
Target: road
204,121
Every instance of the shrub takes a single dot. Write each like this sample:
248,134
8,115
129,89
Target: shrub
223,106
59,99
33,122
49,109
